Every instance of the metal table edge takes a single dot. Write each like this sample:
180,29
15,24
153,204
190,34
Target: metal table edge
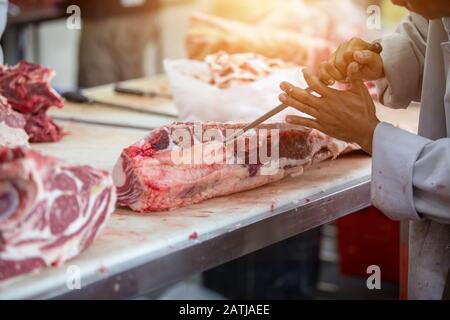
149,273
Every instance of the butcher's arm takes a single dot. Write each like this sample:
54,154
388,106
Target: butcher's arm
403,58
410,175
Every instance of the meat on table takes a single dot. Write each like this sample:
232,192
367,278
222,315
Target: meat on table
149,179
50,211
27,89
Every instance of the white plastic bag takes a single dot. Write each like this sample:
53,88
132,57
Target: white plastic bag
197,100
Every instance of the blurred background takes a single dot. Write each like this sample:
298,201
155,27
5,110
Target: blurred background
37,29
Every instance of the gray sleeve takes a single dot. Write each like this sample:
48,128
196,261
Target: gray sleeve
412,180
403,57
431,181
3,10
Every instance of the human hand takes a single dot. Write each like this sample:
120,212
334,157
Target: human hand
346,115
352,60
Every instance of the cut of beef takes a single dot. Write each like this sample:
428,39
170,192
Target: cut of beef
50,211
12,124
150,176
27,88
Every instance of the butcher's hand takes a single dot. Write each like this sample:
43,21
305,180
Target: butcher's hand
347,115
352,60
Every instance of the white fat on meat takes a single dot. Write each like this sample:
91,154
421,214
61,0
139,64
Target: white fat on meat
12,124
50,211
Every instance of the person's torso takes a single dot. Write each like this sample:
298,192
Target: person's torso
429,251
446,22
446,57
435,112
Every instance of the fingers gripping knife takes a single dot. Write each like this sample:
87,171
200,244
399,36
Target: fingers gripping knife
374,47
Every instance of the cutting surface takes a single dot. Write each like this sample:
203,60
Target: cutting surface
129,236
113,116
131,239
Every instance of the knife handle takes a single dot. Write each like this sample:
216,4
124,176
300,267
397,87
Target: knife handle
376,47
134,92
77,97
140,93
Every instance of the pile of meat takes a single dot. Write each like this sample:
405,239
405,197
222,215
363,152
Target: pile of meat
28,91
210,34
50,211
150,176
298,31
228,70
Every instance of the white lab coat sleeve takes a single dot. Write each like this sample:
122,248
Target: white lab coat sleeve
403,57
410,175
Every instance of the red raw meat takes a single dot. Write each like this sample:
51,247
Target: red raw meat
12,124
50,211
27,88
41,128
148,179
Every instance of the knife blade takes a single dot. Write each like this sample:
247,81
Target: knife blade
257,122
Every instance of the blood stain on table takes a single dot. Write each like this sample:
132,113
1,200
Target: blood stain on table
193,236
272,207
